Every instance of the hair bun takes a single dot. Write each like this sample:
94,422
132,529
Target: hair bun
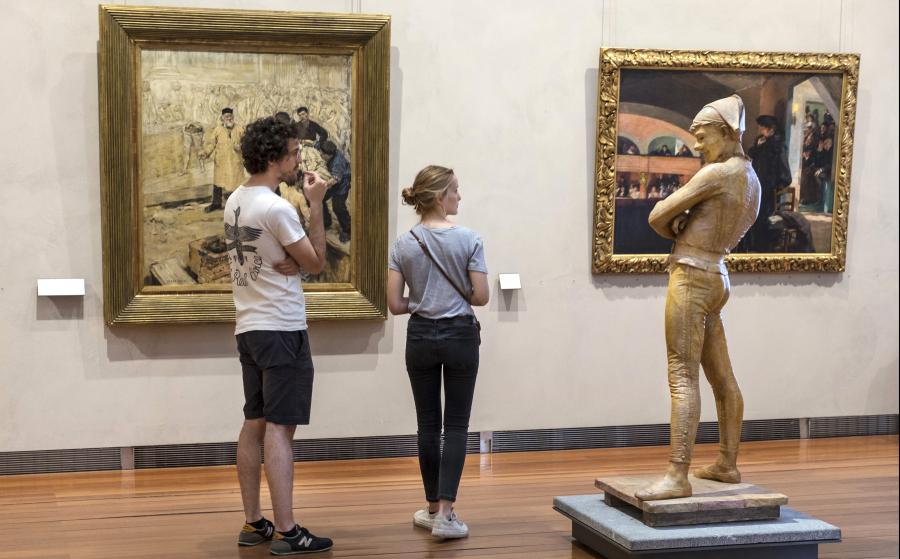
409,197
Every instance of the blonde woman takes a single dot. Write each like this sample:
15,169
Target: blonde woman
443,265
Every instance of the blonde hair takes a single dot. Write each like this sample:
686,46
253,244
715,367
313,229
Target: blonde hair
430,184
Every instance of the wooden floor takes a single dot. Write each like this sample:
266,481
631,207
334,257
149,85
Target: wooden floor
366,505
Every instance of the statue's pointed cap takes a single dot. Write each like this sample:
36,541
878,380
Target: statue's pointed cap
728,111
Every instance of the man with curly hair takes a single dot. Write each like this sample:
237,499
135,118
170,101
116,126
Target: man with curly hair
267,246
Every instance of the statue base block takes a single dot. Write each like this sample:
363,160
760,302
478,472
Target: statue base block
618,533
712,501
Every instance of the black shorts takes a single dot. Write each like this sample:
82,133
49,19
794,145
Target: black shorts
278,376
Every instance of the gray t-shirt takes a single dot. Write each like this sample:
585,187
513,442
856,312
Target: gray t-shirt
430,294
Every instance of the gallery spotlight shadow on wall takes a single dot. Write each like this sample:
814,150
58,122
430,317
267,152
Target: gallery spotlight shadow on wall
193,341
622,287
59,308
616,286
209,341
396,122
509,303
801,279
590,145
347,337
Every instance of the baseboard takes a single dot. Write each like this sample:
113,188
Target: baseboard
633,435
352,448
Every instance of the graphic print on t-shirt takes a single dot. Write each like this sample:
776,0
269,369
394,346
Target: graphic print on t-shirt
237,237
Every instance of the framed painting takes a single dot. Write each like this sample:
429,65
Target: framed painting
799,110
177,87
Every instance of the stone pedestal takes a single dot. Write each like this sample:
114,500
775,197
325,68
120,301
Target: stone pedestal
618,533
712,501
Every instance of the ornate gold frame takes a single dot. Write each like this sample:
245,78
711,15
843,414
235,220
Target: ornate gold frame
612,61
124,32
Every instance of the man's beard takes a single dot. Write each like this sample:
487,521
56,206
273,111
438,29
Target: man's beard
292,179
229,125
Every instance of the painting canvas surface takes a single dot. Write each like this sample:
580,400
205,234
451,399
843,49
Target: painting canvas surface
794,155
190,161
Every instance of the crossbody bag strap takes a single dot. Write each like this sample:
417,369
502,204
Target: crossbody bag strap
440,268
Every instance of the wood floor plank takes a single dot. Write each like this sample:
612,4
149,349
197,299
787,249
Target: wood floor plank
366,505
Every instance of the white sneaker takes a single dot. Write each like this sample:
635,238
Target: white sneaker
424,519
448,529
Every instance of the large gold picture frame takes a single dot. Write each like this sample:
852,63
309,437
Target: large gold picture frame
645,102
354,46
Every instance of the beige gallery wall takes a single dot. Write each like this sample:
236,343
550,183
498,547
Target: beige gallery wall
504,92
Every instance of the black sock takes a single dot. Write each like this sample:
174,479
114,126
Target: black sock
260,524
292,532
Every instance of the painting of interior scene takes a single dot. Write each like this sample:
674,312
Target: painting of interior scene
790,140
194,107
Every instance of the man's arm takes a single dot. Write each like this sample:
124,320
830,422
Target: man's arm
236,134
321,132
309,252
784,169
698,189
339,169
210,145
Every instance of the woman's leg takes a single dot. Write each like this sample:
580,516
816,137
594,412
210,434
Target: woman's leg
425,379
460,371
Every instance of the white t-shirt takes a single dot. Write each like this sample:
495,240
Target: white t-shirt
258,225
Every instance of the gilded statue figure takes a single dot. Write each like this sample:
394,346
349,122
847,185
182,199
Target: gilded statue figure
706,218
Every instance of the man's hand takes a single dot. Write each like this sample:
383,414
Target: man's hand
314,187
287,267
679,223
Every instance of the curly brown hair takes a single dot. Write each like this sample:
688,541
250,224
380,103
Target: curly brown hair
265,140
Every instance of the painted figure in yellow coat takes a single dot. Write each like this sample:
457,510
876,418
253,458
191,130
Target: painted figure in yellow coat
224,146
706,218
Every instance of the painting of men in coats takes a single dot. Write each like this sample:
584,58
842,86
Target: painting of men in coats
194,106
787,113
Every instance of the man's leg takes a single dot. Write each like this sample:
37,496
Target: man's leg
326,215
339,205
257,529
216,202
280,473
249,466
684,341
729,402
288,383
827,196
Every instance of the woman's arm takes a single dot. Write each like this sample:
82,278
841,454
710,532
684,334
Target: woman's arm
397,303
481,293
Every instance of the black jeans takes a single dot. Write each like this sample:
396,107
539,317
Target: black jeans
448,345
